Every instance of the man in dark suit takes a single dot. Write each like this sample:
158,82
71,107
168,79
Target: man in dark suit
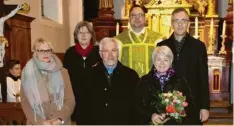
111,88
191,62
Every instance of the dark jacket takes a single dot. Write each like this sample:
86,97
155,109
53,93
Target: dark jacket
148,86
79,71
111,99
192,64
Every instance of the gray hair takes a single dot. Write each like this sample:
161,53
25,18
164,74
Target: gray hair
40,41
108,39
162,50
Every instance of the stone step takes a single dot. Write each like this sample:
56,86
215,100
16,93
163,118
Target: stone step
219,122
220,104
214,115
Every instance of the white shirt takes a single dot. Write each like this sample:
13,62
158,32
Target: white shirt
141,32
13,87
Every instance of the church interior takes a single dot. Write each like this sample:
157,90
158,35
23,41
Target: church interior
211,22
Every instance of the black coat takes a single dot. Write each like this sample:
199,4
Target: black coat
149,86
79,71
111,102
192,64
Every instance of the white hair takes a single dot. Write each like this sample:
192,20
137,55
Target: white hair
162,50
108,39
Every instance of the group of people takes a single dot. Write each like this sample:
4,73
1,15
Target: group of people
94,87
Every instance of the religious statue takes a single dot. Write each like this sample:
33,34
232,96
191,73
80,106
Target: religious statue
105,4
200,6
3,40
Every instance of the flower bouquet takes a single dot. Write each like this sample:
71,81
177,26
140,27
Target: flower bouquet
173,104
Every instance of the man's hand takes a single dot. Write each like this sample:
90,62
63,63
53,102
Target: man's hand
204,115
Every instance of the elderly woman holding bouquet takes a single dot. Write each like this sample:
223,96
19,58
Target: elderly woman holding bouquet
46,96
154,90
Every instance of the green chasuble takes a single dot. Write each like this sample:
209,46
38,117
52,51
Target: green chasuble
136,51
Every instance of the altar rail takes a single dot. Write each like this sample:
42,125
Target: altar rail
11,114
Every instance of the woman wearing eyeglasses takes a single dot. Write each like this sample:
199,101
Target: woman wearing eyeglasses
46,95
79,60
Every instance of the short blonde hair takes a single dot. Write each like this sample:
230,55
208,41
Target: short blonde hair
162,50
39,42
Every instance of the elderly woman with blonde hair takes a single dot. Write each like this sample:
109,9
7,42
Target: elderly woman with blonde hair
161,79
46,95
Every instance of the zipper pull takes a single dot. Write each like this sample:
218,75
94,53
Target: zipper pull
84,65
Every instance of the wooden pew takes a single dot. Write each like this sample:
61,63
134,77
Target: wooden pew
11,114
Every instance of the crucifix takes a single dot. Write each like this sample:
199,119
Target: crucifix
3,18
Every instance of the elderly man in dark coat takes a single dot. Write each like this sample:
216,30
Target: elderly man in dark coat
111,88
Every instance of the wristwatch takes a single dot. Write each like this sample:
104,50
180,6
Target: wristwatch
61,120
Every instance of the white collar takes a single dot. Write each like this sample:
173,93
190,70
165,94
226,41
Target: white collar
141,32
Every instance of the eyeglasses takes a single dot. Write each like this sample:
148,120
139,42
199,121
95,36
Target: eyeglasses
139,15
83,33
177,21
48,51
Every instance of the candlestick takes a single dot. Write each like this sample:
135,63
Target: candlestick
210,48
117,28
223,50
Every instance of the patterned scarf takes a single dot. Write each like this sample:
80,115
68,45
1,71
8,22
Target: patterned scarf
164,78
37,73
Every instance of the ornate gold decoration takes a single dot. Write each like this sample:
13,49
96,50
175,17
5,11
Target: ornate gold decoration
25,8
105,4
3,40
200,5
230,1
211,9
128,4
159,12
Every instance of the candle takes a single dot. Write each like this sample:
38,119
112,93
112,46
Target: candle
129,25
224,28
196,26
117,28
211,28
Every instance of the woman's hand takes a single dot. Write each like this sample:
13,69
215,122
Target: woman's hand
159,119
47,122
56,121
52,122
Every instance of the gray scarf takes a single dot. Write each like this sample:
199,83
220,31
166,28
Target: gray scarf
37,73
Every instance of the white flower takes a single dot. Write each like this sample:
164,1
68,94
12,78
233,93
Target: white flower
166,100
178,101
169,94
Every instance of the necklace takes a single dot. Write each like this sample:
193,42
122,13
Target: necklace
130,36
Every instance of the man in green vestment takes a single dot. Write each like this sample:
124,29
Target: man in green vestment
138,42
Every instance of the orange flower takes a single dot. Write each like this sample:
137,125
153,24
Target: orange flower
170,109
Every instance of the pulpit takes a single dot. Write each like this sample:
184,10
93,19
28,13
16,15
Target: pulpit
18,33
